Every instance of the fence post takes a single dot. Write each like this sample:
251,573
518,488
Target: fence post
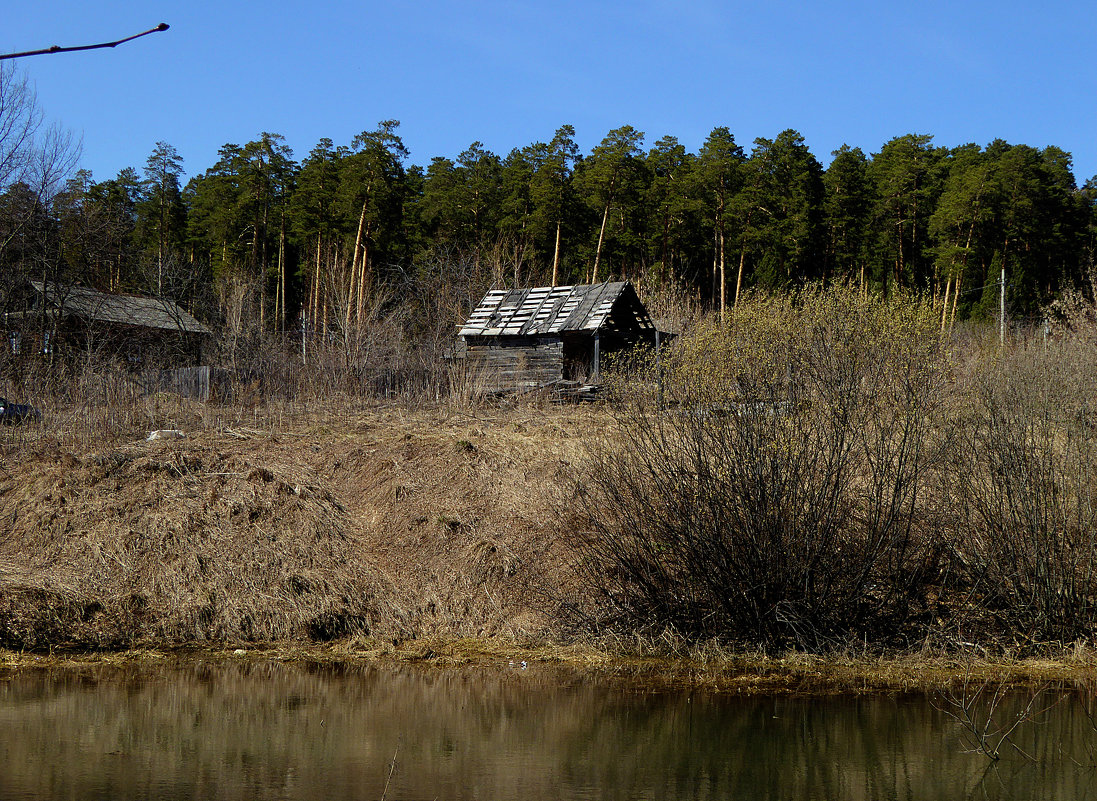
659,366
597,355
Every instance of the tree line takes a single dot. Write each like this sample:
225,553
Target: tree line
319,242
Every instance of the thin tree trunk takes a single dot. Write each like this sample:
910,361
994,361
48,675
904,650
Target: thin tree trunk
556,255
598,251
739,278
352,288
723,279
160,241
315,306
277,300
714,289
354,264
899,244
365,279
282,267
955,300
945,308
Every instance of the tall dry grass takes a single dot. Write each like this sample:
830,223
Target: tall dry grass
157,544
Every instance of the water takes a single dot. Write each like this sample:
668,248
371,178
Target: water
248,731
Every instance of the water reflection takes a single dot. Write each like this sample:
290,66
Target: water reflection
245,731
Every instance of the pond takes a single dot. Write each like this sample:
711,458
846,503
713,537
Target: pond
248,730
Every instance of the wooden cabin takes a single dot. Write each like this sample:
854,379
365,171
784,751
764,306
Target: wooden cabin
524,339
71,320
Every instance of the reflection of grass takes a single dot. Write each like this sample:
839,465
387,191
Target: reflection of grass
254,727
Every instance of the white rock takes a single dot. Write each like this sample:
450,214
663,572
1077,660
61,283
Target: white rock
165,433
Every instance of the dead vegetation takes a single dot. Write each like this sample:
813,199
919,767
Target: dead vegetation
821,472
824,476
379,522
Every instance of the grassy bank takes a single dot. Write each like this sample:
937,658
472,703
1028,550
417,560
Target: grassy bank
648,667
370,521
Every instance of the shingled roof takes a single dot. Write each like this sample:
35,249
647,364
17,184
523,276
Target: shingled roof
90,304
612,306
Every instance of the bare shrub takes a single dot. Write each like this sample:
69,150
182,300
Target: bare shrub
670,304
1025,484
774,499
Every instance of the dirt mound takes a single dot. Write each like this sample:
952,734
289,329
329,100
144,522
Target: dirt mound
392,523
468,514
175,543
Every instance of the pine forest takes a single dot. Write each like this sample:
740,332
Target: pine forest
261,243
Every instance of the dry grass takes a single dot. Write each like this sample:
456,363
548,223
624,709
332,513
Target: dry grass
269,525
637,663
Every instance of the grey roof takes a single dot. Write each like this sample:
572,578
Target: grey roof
558,309
102,307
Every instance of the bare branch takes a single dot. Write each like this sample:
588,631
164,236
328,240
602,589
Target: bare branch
163,26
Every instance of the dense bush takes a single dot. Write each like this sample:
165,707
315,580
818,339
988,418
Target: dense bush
775,495
820,470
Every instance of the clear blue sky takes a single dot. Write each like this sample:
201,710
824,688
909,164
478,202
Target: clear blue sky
509,74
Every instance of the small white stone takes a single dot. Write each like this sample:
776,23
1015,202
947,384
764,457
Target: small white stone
165,433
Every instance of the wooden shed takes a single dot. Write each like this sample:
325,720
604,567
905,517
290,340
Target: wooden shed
523,339
60,318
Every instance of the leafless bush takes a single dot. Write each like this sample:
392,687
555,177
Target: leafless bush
1025,505
670,304
775,499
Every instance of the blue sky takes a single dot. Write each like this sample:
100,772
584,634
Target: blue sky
508,74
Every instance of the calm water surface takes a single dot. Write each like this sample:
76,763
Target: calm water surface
245,731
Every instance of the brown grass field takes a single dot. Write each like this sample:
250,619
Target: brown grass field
379,521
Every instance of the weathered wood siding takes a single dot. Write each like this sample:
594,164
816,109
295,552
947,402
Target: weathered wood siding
202,383
516,363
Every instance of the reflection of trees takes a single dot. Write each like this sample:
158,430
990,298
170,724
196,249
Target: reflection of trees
263,729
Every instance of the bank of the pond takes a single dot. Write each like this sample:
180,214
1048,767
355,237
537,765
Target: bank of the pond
438,536
710,669
305,526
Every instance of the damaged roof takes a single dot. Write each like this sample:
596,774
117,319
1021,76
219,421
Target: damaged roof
91,304
611,306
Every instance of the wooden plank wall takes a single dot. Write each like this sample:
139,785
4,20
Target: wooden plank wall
521,363
187,382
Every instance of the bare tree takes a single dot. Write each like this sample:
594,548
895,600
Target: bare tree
35,159
20,120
